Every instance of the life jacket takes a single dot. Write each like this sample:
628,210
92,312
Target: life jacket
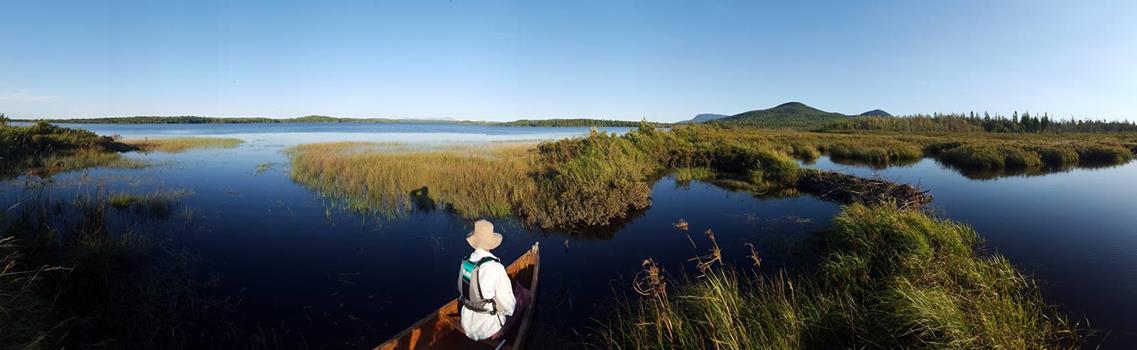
470,289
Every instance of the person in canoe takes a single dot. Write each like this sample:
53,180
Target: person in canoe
490,303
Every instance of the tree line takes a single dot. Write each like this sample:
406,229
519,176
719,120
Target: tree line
976,122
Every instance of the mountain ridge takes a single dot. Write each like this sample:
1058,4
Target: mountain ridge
794,115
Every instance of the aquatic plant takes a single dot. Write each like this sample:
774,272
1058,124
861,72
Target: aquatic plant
26,318
182,144
890,278
83,279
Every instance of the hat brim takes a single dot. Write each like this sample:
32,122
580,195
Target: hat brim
483,242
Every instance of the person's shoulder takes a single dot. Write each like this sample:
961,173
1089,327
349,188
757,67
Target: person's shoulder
494,265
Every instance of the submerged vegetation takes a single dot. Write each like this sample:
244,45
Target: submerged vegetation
890,278
182,144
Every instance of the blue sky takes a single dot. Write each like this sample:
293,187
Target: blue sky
495,60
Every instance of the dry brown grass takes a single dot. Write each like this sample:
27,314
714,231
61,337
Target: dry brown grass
182,144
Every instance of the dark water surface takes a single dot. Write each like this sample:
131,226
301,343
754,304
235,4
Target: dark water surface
308,273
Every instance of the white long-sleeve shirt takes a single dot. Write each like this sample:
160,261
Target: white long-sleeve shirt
495,285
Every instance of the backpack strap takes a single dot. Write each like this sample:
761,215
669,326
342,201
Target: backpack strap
486,259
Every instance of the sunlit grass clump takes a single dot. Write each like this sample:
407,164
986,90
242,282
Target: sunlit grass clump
391,179
182,144
157,204
890,278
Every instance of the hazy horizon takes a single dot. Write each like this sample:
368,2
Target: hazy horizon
628,60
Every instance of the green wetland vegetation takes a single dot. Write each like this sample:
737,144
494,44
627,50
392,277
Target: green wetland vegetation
569,184
889,278
892,276
94,268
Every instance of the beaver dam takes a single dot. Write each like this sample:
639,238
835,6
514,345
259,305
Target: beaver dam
849,189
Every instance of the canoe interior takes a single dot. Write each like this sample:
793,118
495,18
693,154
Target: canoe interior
442,329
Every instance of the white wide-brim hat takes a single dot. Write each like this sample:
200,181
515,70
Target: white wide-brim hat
483,237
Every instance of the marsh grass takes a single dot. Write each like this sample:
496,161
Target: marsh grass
890,278
689,174
25,317
182,144
1026,153
159,204
117,284
43,150
587,181
393,180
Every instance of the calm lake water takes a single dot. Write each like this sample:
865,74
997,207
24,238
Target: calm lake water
308,273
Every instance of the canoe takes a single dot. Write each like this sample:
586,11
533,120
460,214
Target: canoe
442,329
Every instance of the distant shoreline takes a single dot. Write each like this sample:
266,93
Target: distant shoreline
576,122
